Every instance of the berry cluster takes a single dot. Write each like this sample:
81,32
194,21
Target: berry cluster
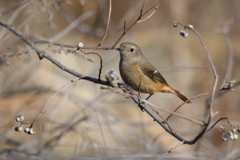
29,130
183,32
232,134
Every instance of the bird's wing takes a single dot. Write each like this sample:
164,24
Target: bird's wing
151,72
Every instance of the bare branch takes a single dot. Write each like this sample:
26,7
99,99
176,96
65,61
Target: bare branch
43,54
71,46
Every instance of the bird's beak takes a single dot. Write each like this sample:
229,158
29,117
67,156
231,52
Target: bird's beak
119,49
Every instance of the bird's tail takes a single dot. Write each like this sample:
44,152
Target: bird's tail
180,95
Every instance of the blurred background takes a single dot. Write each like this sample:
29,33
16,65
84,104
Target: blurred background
86,122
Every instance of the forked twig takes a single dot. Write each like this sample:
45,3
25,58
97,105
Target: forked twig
149,15
136,21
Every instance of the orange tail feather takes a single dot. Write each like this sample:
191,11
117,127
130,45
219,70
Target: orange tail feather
180,95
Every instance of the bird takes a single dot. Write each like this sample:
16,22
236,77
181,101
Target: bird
137,72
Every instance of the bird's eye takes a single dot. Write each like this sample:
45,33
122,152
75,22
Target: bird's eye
132,50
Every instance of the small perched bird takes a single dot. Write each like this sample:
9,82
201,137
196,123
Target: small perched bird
137,72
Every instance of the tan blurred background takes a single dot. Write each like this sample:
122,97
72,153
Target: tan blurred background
115,127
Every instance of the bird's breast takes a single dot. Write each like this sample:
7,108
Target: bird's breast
133,76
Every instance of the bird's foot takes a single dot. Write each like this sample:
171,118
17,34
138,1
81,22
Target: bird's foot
141,105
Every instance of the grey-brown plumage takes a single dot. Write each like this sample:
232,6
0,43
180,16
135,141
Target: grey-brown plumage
134,67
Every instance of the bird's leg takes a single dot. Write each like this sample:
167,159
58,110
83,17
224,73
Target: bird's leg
139,89
143,103
149,96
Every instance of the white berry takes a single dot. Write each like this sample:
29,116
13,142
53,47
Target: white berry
185,35
18,128
31,131
190,26
80,44
21,117
234,130
26,130
18,119
235,136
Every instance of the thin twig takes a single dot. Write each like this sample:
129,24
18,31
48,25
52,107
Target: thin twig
176,114
100,68
135,96
197,96
141,11
164,120
218,122
149,15
14,7
71,46
39,115
139,18
50,144
172,149
225,31
213,69
108,22
124,27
